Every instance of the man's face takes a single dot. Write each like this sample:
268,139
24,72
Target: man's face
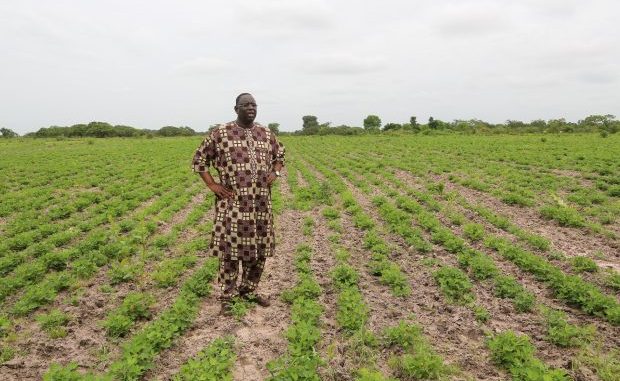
246,109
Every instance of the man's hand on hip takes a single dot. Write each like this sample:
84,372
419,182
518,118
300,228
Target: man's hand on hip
221,190
271,178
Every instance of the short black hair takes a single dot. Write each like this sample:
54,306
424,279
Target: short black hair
239,97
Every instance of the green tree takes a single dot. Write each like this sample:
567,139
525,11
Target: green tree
413,121
372,123
8,133
274,127
310,126
175,131
601,122
432,123
392,126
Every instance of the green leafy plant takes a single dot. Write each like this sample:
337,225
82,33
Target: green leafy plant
214,363
454,284
54,323
474,232
583,264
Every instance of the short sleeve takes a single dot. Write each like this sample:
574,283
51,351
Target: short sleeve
204,155
277,150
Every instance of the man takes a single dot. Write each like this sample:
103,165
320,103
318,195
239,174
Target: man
248,159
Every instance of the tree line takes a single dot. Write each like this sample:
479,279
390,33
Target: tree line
102,130
605,124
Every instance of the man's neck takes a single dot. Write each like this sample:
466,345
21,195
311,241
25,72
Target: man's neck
244,125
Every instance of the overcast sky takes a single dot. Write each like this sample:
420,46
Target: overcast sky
154,63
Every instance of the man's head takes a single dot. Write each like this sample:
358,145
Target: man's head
245,107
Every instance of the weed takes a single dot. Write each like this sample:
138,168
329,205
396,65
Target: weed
422,365
564,334
214,363
364,374
344,276
239,307
481,314
54,323
352,312
516,353
5,325
581,264
474,232
404,335
564,215
430,262
612,280
455,284
331,213
308,226
6,353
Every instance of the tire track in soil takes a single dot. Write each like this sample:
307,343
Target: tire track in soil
503,315
571,241
86,337
259,335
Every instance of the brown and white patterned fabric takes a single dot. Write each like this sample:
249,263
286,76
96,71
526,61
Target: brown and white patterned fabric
250,276
243,158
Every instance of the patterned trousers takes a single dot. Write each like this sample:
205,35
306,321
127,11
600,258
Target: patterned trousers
250,276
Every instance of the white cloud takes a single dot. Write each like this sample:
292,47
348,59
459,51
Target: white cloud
344,65
279,16
203,66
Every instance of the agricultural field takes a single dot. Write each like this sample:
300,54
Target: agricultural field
398,258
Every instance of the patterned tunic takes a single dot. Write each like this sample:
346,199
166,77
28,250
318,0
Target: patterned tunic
243,158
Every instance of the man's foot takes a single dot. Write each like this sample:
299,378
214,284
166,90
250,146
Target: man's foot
226,309
262,301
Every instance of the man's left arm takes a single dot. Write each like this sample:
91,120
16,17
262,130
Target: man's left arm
277,159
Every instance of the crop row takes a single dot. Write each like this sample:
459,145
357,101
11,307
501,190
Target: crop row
456,285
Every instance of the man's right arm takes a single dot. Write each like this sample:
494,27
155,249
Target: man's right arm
218,189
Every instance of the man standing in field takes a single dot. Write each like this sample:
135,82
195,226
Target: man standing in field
248,159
